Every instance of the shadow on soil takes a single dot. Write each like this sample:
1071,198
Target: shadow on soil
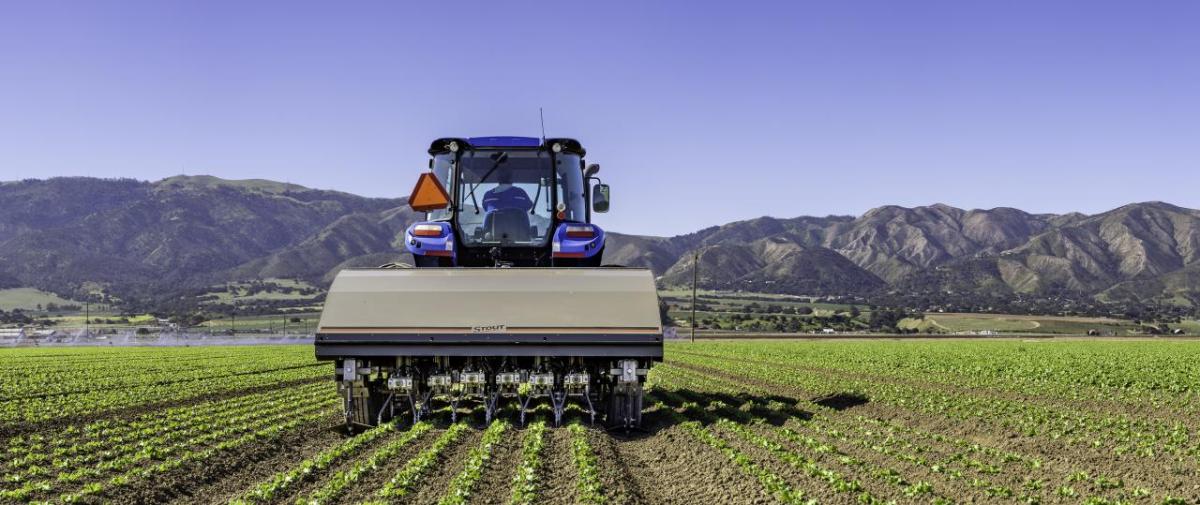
772,409
841,401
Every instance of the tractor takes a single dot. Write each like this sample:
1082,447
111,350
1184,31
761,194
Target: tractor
507,300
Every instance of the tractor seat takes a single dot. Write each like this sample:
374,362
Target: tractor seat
507,226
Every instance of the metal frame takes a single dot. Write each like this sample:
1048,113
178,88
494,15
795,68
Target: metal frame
334,351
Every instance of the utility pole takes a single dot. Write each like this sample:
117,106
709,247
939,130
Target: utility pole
87,318
695,275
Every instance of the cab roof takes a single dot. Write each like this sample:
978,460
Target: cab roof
442,145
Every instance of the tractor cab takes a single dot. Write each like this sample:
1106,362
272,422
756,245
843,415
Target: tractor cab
507,201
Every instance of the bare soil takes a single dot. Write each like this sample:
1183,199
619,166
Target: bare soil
495,488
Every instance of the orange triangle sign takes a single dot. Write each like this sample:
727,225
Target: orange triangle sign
428,194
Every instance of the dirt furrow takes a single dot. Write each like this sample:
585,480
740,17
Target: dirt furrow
558,471
495,488
669,466
431,488
614,475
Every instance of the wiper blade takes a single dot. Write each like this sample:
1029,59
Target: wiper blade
499,158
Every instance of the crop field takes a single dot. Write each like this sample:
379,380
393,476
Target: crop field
742,422
29,299
1009,323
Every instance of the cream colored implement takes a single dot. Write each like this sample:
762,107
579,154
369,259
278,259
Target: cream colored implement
546,306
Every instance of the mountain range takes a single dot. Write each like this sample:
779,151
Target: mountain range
150,240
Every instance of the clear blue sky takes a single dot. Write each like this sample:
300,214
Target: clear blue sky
700,112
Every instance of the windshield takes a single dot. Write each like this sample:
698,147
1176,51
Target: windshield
504,199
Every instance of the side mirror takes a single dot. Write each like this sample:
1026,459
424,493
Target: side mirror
591,170
600,198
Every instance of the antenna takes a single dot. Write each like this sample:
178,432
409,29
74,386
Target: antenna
543,118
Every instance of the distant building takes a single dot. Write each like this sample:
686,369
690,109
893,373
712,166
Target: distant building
827,330
45,334
12,333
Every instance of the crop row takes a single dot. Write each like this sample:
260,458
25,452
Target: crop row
743,425
993,458
747,427
834,431
1119,435
95,435
771,482
214,434
525,481
406,479
83,360
588,484
91,453
94,402
673,378
230,438
923,453
29,381
464,483
711,382
282,482
333,487
1156,377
